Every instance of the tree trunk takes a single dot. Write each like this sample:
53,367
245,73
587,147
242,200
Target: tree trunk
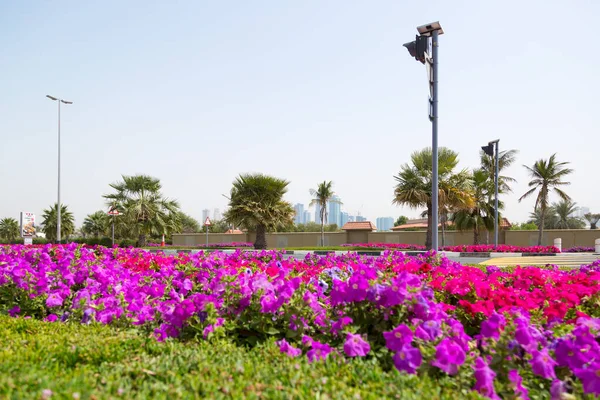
142,240
429,227
444,217
541,231
476,235
261,238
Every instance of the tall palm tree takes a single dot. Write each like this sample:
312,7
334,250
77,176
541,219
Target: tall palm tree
96,224
481,214
323,195
564,211
414,183
50,219
592,219
9,228
144,208
547,175
505,159
256,203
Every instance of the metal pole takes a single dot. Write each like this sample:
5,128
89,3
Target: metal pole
206,235
434,144
113,230
496,199
58,238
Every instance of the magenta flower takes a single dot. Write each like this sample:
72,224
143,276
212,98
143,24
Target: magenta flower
484,379
13,312
356,346
395,339
408,359
590,378
449,356
542,364
318,351
557,389
288,349
517,383
492,326
54,300
338,325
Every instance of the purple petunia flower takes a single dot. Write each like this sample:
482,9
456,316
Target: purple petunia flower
590,378
484,377
13,312
517,383
395,339
356,346
318,351
557,389
54,300
492,326
288,349
408,359
449,356
542,364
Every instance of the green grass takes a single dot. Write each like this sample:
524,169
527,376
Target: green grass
100,362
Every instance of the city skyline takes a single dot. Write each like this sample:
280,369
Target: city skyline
268,76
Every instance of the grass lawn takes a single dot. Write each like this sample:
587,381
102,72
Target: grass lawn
97,362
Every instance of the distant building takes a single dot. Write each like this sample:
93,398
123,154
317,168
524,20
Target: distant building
205,214
360,218
344,218
581,211
335,213
299,217
217,214
306,217
384,223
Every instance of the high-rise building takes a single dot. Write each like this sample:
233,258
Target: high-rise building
360,218
384,223
334,211
306,217
344,217
217,214
581,211
299,209
205,214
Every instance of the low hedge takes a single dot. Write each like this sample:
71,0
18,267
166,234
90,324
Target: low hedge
72,361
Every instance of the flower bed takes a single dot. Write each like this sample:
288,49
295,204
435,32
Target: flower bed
209,246
580,249
395,246
500,332
502,248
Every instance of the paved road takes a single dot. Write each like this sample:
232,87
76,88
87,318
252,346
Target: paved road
564,260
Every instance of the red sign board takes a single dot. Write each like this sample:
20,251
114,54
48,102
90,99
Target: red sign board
207,222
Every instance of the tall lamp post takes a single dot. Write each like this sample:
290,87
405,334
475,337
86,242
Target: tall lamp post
489,150
58,206
114,212
419,49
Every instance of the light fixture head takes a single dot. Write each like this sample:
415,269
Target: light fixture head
426,29
51,97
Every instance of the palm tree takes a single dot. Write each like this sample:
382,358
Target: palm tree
323,195
592,219
414,183
550,218
564,211
505,159
50,219
9,228
96,224
144,208
481,214
256,203
546,175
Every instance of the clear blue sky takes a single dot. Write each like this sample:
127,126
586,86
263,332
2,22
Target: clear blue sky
196,92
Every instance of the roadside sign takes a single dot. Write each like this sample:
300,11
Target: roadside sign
207,222
114,211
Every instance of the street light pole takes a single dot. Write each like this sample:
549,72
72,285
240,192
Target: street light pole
496,199
419,49
58,206
434,143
